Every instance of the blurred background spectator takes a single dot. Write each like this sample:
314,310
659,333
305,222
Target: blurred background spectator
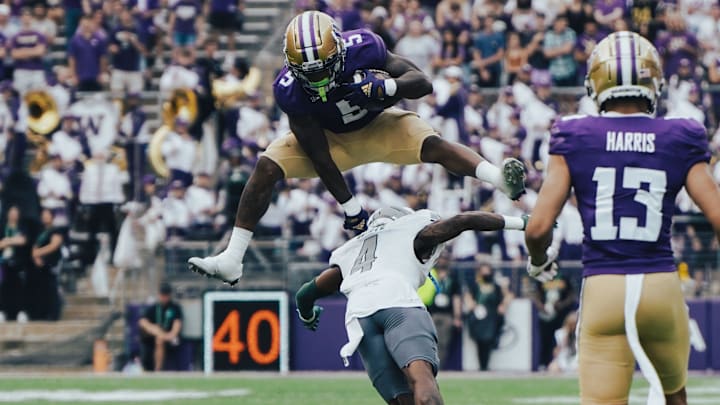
446,307
160,326
553,301
13,293
42,282
485,304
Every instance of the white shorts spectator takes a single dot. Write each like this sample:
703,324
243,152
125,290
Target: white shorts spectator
25,80
128,81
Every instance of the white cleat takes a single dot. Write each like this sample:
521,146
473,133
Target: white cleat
220,267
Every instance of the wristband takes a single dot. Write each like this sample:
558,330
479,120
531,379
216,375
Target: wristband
513,223
312,318
351,207
390,87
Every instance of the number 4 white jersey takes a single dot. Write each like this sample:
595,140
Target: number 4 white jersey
380,269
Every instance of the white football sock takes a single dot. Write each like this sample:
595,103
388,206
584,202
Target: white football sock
490,173
351,207
239,241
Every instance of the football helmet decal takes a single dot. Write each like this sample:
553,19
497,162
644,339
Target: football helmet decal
315,52
624,64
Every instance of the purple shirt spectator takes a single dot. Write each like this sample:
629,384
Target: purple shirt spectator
457,27
350,19
147,23
585,44
127,57
675,46
608,11
186,13
28,39
17,5
87,53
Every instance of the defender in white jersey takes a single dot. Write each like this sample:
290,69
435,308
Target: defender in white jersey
380,271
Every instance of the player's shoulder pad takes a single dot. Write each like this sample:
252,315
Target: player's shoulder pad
687,125
287,93
689,133
563,131
365,49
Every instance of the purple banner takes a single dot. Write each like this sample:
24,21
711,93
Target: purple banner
713,335
700,311
320,350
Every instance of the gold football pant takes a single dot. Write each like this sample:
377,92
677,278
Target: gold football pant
395,136
606,360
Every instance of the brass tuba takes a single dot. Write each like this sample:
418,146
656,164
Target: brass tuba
182,103
227,93
43,119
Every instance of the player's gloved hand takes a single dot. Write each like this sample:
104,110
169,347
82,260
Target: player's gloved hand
365,87
312,322
356,223
545,271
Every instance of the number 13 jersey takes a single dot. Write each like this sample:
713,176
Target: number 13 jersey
380,269
626,171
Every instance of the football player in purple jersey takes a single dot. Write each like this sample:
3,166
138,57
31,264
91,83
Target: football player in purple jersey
341,116
626,167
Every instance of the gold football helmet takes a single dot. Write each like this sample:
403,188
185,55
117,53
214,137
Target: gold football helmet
314,52
624,64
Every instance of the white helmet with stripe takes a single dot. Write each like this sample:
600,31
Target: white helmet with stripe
385,215
624,65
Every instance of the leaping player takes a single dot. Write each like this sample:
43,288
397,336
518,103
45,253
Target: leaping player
626,167
380,271
340,117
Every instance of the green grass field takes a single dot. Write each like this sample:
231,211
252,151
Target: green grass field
303,389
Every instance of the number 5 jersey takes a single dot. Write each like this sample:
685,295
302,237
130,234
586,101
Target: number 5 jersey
626,171
365,50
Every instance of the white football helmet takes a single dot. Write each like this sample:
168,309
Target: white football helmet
386,215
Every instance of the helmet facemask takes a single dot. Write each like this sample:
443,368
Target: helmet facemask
318,78
319,74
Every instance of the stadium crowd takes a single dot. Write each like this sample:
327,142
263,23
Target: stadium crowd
499,69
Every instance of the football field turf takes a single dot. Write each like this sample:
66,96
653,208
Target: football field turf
304,389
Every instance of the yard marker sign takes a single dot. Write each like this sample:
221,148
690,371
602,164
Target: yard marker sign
245,330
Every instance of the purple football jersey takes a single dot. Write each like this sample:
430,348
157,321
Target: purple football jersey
626,172
365,50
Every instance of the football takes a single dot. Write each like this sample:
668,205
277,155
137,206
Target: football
359,76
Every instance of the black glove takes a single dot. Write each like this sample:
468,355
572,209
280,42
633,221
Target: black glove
356,223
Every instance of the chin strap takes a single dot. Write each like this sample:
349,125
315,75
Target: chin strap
320,86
